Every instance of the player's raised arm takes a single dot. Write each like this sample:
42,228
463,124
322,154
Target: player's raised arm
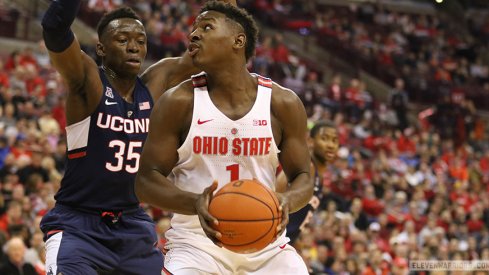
77,69
168,73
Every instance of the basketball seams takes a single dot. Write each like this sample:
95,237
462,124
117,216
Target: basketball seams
272,196
246,235
257,220
253,241
249,196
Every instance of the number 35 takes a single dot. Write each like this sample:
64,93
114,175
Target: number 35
119,156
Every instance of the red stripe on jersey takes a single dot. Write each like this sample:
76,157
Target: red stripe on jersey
77,155
52,232
266,82
166,272
199,81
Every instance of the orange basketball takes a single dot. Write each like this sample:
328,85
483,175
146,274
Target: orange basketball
248,214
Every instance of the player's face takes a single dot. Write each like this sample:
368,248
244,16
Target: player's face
124,43
326,144
211,39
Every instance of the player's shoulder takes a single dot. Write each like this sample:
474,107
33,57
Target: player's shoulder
277,88
159,70
160,66
180,94
283,96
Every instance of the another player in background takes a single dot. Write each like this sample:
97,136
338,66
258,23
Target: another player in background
97,224
226,103
324,147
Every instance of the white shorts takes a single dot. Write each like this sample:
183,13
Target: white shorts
190,254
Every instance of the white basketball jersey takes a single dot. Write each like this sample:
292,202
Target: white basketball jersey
218,148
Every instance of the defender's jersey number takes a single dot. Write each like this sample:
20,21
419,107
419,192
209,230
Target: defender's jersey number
121,156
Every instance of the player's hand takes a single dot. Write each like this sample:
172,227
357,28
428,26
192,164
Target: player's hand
284,208
205,218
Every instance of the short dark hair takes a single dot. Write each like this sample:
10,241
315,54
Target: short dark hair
122,12
240,16
319,125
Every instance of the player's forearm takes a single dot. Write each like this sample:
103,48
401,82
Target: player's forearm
156,190
299,192
56,24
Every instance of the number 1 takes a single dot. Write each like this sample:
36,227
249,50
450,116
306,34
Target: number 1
234,170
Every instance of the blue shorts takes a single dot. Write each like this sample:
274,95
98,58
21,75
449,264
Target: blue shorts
84,242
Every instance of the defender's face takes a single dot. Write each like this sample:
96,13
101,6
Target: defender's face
211,39
326,144
125,48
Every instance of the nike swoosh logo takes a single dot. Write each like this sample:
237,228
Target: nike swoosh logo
203,121
107,102
282,246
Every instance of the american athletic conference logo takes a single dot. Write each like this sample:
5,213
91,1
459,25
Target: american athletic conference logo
109,93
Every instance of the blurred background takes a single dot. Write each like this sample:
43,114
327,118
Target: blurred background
405,81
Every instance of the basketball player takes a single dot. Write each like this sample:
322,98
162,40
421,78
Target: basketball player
325,144
223,125
97,224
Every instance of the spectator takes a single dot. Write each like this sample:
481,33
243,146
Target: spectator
12,217
14,263
398,100
35,167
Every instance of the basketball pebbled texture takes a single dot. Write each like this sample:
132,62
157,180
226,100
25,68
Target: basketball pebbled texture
248,214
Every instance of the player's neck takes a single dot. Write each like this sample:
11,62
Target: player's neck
123,85
232,78
321,165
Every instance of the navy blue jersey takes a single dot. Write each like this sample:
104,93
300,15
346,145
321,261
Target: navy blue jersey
104,151
301,218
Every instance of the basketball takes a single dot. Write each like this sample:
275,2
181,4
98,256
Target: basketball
248,214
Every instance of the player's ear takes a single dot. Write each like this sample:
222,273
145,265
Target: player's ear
100,49
240,41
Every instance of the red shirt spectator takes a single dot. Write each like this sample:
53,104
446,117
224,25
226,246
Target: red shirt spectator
59,114
371,205
4,79
406,145
13,216
13,61
463,198
280,52
475,225
458,170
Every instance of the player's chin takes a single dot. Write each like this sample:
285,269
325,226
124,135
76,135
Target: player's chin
197,63
330,157
132,70
132,66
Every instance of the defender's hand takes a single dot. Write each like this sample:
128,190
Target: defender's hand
205,218
284,208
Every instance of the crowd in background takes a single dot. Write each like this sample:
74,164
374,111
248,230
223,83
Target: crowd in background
436,54
405,185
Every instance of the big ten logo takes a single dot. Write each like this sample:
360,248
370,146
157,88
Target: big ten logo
260,122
